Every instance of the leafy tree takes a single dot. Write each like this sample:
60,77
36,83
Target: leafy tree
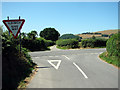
50,34
32,35
105,35
23,35
69,36
113,45
111,35
93,37
1,30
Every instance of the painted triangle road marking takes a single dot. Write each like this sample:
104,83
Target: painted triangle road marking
53,61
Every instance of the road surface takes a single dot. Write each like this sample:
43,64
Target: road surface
73,69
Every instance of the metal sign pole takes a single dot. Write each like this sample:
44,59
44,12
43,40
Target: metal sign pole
20,38
8,31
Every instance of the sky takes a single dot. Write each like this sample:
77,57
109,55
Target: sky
65,17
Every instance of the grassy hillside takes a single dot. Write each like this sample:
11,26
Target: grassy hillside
107,32
88,36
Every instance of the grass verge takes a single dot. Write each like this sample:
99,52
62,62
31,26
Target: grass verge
111,60
64,48
25,82
48,48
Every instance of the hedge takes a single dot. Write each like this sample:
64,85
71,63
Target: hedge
93,43
113,45
17,66
34,45
70,43
38,44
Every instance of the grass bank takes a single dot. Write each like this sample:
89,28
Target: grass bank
26,81
111,60
64,48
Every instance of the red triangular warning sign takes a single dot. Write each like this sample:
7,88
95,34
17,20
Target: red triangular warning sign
14,26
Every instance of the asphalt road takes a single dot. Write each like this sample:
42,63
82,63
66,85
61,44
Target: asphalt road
73,69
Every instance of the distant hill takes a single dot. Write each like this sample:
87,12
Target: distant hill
98,34
108,32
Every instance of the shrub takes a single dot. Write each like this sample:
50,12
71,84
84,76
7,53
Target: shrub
34,45
70,43
16,66
93,43
105,35
49,43
69,36
113,45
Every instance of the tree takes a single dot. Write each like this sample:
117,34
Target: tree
23,35
70,36
93,37
113,45
50,34
32,35
1,30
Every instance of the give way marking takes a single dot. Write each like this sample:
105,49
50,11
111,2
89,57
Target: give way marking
53,61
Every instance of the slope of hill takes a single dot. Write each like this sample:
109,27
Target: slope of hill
105,32
108,32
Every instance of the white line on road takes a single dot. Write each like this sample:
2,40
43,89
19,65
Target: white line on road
101,52
53,56
66,57
80,70
36,57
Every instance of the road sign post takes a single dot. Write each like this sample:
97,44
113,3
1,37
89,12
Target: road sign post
14,26
8,31
20,38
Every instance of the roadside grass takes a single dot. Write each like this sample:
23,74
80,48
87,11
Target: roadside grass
111,60
48,48
25,82
64,48
100,47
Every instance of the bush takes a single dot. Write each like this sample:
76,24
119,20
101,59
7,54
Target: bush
34,45
93,43
70,43
112,60
105,35
17,66
69,36
113,45
49,43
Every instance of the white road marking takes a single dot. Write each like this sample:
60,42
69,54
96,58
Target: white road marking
80,70
101,52
66,57
53,56
55,66
50,56
93,53
36,57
